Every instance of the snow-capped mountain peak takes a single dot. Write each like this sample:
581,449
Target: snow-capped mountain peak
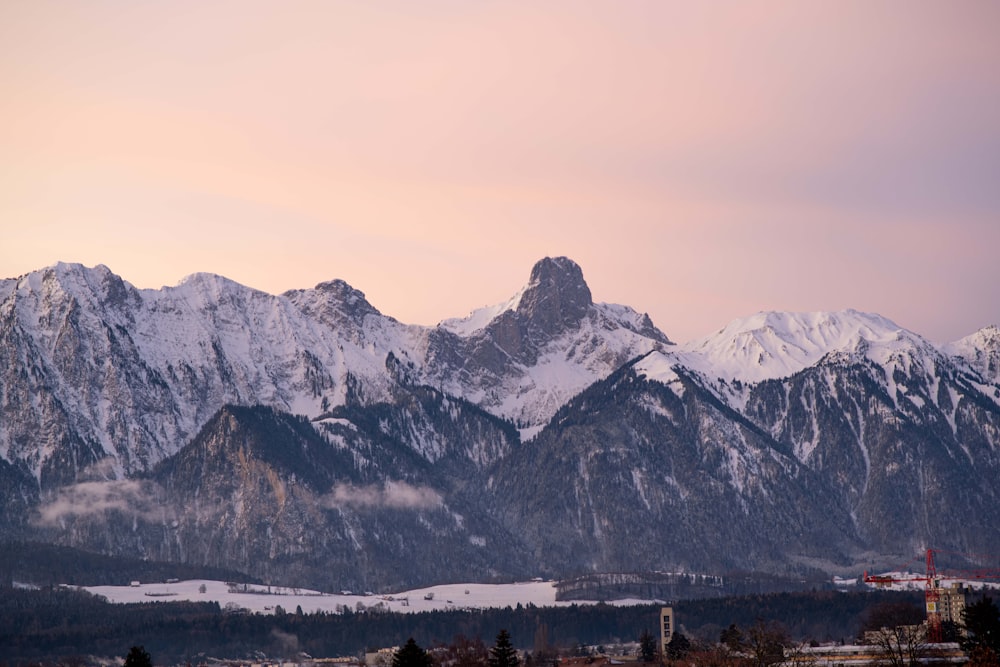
549,341
980,350
336,303
556,296
771,345
75,281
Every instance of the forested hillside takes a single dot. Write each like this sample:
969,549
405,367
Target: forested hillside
57,623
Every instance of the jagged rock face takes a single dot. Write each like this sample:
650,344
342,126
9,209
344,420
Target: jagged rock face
556,298
554,301
546,434
514,362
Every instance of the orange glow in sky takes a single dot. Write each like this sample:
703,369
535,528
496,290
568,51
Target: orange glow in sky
700,161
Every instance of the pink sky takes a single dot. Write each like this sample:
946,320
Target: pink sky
701,161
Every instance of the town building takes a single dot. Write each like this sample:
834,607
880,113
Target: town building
865,655
666,628
951,604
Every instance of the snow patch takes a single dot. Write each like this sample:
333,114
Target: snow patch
480,318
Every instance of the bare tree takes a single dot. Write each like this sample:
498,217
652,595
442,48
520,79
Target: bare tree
463,652
898,631
766,642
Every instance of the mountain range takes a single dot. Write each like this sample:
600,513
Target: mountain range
308,439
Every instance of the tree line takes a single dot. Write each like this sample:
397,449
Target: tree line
51,564
51,624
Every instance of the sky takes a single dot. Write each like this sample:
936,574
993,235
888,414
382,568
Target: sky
700,161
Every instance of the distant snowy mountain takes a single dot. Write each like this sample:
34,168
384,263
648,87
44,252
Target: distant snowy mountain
130,375
981,351
291,434
906,430
768,346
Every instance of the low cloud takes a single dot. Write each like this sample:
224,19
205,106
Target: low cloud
88,499
393,495
101,471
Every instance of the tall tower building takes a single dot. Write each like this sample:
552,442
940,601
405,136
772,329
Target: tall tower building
666,628
951,604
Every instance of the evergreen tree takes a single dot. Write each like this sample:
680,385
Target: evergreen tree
982,620
411,655
732,637
647,647
503,654
678,646
138,657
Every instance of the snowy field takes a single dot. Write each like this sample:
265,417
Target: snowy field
263,599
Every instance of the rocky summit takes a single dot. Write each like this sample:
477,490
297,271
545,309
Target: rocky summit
308,439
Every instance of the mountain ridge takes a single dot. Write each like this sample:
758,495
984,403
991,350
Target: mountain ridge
841,424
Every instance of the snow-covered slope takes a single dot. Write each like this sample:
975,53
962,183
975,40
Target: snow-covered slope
981,351
131,375
529,392
105,372
771,345
480,318
909,430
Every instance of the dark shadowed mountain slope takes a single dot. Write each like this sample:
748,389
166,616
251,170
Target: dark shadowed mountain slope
265,493
635,475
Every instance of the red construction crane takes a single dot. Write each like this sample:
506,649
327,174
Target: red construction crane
932,588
